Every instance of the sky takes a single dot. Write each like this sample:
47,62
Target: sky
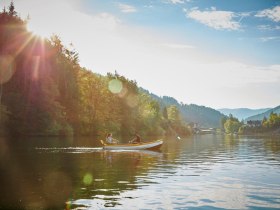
216,53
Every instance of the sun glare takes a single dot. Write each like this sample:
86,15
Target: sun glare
38,30
6,68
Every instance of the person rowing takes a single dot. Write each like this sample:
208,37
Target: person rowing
110,139
136,139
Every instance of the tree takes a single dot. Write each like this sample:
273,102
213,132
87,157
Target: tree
232,125
164,113
12,11
4,10
173,114
150,117
223,121
48,93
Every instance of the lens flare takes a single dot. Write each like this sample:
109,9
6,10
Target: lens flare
123,92
7,68
35,67
115,86
87,180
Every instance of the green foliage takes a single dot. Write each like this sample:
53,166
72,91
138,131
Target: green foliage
273,122
203,116
232,125
173,114
223,121
150,116
48,93
268,125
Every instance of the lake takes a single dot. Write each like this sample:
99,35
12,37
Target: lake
199,172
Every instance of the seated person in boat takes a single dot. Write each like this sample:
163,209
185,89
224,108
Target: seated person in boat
110,139
136,139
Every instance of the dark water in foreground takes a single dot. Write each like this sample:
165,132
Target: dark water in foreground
200,172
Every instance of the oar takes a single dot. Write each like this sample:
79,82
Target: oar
176,134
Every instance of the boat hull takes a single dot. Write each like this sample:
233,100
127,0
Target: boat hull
154,145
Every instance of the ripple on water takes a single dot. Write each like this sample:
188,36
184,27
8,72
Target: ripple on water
203,172
69,149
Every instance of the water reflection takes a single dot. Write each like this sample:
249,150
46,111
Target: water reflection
113,172
204,172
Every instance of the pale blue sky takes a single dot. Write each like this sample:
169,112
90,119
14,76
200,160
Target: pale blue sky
222,53
255,38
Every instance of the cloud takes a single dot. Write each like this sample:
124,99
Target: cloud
269,38
264,27
189,74
220,20
273,14
239,74
177,1
178,46
268,27
125,8
148,6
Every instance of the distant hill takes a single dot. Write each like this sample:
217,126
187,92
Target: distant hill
265,114
243,113
204,116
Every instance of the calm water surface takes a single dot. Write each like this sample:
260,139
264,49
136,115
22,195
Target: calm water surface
200,172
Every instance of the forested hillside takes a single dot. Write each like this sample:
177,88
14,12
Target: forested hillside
263,115
203,116
44,91
243,113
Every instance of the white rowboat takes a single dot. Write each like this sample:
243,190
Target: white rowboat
153,145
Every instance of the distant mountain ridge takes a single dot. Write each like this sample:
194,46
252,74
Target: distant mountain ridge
204,116
243,113
264,114
192,113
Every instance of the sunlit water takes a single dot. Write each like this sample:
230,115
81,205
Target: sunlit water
200,172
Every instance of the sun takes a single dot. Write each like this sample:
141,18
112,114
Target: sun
38,29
